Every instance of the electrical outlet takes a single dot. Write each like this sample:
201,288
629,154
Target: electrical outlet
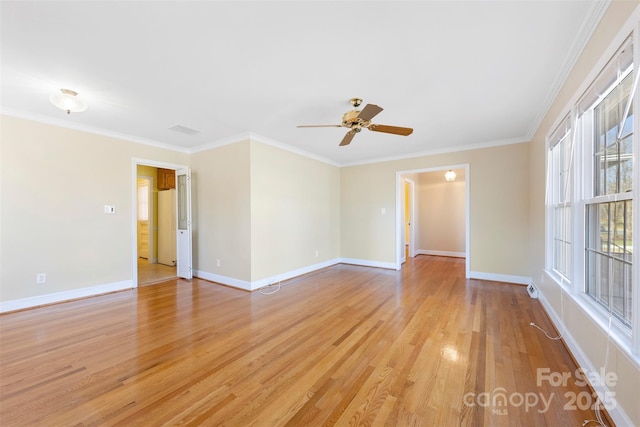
41,278
218,262
317,254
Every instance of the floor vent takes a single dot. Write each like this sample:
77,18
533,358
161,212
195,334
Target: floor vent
532,291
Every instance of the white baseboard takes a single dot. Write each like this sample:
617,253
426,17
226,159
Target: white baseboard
21,304
440,253
368,263
256,284
520,280
293,273
618,414
224,280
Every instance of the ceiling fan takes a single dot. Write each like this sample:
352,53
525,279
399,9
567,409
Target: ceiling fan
357,120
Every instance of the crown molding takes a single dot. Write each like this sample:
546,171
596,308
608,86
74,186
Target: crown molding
221,142
88,129
252,137
263,139
468,147
589,25
287,147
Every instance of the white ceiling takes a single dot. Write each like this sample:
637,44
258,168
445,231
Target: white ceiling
461,73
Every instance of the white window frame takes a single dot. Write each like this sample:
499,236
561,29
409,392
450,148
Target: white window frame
591,199
627,338
562,134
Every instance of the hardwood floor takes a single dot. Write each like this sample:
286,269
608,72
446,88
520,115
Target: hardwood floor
345,345
153,273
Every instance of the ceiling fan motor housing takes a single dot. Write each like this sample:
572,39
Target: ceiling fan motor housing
351,120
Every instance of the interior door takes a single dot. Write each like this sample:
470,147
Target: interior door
183,187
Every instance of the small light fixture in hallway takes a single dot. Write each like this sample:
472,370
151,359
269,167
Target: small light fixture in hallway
450,175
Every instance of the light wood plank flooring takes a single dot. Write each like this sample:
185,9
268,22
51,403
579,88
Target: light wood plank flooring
345,345
152,273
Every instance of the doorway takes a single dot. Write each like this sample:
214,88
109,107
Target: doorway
427,201
408,216
162,252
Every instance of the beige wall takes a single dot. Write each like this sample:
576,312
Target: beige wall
295,211
367,233
55,183
263,212
441,213
588,339
260,210
222,211
498,205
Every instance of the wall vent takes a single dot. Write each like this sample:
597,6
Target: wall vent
184,129
532,291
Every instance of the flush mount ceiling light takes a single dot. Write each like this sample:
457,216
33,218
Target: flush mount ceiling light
68,101
450,175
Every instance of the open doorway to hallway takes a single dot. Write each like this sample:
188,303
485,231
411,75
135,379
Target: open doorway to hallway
432,213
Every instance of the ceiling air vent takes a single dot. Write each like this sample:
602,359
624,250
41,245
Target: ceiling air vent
184,129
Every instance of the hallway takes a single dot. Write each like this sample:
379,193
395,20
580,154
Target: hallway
152,273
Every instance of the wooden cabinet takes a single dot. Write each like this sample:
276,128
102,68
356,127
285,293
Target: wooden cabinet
166,179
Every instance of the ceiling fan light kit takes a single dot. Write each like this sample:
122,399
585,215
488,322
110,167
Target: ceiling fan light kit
356,120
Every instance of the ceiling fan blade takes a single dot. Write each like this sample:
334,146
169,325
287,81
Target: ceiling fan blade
319,126
369,111
391,129
347,138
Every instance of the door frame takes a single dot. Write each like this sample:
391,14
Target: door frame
134,211
400,179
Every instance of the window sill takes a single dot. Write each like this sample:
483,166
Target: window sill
611,327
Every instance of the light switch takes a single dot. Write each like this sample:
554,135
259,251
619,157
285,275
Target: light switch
109,209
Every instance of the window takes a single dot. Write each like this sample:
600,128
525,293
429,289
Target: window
561,182
143,200
606,120
590,193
